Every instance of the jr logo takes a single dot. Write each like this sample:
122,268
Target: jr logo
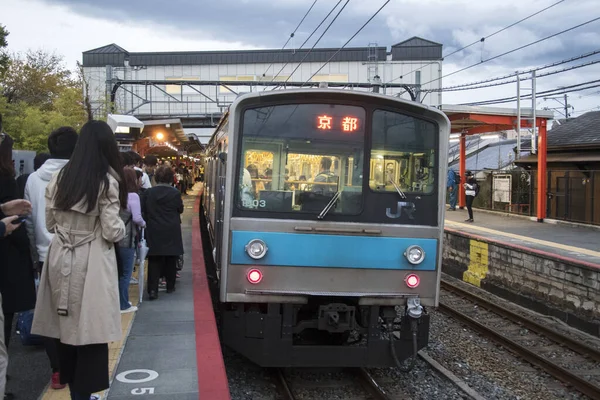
408,208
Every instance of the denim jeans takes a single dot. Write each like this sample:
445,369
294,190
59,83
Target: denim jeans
127,257
453,196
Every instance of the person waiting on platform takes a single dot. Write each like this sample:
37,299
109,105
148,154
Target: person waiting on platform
78,296
61,143
161,208
9,213
17,281
471,190
132,216
452,185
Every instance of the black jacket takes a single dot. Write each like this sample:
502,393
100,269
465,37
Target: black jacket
17,281
161,208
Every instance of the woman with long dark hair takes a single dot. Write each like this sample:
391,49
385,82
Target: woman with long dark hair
78,294
17,281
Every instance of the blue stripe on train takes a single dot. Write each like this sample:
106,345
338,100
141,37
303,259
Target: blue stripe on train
336,251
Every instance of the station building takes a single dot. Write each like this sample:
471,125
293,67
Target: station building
187,92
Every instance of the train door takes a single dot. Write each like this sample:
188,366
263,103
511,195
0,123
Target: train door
219,190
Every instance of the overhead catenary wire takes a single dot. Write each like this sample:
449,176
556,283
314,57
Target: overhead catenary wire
514,50
454,89
562,90
482,39
308,38
349,40
554,64
293,32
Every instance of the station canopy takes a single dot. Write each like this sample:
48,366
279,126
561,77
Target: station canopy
473,120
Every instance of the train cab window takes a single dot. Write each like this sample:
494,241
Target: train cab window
403,154
307,156
257,176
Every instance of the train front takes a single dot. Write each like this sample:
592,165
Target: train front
333,228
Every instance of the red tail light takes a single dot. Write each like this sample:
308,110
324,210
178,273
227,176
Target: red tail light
254,276
412,281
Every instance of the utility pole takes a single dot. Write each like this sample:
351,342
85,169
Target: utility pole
564,106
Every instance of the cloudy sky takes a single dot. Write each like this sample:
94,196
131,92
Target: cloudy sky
70,27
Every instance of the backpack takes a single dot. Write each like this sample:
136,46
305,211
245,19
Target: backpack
456,178
331,178
128,239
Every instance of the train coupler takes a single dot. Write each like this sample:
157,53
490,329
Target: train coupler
337,317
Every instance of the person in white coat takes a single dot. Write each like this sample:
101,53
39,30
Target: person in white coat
61,144
78,297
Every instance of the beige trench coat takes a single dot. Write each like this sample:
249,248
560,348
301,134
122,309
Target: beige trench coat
78,296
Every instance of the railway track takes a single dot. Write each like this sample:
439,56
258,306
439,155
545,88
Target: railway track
372,390
565,358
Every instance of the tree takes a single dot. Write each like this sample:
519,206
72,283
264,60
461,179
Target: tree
4,59
36,79
37,95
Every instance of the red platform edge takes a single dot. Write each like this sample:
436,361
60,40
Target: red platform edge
525,249
212,377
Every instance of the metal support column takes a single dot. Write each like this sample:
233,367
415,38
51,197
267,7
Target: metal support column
541,176
518,117
462,162
533,116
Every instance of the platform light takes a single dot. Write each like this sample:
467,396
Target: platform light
414,254
254,276
256,249
412,281
160,136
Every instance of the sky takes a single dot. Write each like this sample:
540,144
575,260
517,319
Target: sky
69,27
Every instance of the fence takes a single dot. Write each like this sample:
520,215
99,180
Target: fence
572,195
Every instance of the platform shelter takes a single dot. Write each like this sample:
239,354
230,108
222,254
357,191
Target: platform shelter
476,120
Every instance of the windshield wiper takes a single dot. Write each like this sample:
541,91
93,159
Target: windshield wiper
329,205
400,192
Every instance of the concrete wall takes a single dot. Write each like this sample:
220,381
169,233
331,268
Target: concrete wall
552,285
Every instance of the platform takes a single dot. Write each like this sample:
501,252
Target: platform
173,350
576,242
551,268
170,347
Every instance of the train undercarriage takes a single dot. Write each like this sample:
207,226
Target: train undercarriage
323,335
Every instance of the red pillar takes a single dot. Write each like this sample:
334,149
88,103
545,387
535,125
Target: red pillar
541,177
462,162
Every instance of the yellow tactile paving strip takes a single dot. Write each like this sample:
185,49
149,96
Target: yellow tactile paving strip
561,246
114,348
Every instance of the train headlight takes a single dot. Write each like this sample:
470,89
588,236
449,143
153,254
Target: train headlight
256,249
415,255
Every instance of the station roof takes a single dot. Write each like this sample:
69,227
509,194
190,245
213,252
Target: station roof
414,48
479,119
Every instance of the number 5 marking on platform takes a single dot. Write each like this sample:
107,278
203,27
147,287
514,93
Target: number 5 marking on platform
151,375
139,391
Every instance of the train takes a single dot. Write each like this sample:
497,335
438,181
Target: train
324,210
